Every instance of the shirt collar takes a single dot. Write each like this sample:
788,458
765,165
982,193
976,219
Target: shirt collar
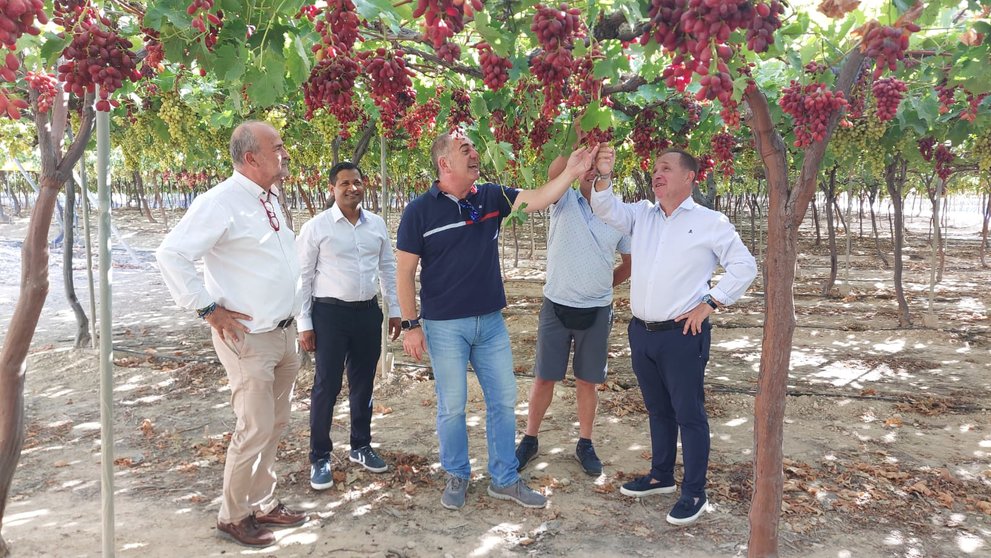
250,186
435,191
336,214
687,205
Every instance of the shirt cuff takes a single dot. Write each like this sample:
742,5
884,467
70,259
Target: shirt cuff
304,323
721,297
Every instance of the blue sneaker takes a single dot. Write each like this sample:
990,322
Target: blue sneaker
645,486
367,458
321,477
688,510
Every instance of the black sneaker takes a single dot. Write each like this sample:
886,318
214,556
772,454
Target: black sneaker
526,451
688,510
645,486
585,454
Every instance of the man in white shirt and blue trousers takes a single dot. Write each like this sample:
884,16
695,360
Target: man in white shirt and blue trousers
249,294
346,258
676,246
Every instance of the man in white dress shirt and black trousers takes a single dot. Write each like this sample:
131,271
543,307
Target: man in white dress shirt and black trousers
345,259
249,294
676,246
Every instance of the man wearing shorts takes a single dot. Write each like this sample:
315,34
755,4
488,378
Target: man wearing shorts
576,313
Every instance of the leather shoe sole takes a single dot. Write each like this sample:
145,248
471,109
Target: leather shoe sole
259,539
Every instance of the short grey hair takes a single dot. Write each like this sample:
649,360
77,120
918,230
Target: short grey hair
440,148
244,141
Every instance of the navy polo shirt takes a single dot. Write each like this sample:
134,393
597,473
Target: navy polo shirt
459,255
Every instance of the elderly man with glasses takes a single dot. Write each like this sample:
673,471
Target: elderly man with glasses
452,233
249,294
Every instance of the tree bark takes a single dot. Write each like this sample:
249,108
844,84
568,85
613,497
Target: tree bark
984,230
55,170
829,189
894,178
82,322
787,208
871,196
815,221
139,191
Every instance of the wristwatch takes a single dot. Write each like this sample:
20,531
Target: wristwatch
606,177
410,324
710,301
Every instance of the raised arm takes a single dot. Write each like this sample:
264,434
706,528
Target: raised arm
580,161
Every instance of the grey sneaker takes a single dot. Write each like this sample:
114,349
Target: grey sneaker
520,493
454,493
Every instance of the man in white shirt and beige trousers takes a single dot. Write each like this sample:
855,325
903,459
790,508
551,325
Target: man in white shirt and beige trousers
249,294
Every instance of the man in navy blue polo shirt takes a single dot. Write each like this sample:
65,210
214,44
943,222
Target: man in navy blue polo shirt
452,233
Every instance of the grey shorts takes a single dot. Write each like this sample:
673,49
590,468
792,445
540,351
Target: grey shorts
554,343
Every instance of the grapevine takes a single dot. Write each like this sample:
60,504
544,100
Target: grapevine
460,110
856,144
647,142
338,29
331,86
982,152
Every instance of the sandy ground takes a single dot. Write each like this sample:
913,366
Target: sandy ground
887,443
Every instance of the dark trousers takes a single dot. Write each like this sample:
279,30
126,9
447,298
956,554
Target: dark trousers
351,338
670,367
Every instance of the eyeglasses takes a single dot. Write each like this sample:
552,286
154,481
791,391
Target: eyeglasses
472,212
273,219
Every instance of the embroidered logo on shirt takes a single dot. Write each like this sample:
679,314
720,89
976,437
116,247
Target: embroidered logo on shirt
689,231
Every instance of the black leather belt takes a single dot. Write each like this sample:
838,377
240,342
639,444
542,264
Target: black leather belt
659,326
370,303
284,323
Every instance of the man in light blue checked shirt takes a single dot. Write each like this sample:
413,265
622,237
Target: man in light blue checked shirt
576,312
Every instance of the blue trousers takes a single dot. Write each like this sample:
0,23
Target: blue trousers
670,367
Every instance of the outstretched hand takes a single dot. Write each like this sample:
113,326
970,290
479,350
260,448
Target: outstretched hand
581,160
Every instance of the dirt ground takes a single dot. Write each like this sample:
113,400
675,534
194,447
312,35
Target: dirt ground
887,436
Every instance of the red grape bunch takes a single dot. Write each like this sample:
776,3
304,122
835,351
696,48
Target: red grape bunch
202,19
946,97
423,118
495,69
449,52
730,114
9,69
390,83
331,86
926,146
647,141
888,93
665,24
97,55
943,158
973,102
444,18
18,17
46,87
11,107
585,87
810,107
338,29
460,109
761,28
722,147
540,134
505,129
886,44
556,27
706,164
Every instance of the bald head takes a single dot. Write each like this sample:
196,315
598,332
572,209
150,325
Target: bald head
258,153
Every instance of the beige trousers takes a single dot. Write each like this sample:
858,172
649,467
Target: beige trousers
261,370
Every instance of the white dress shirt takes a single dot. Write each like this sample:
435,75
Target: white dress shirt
248,267
344,261
674,257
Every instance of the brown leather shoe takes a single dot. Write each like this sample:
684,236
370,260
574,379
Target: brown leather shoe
246,532
281,516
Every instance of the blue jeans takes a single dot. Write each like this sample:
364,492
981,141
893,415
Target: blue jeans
483,341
